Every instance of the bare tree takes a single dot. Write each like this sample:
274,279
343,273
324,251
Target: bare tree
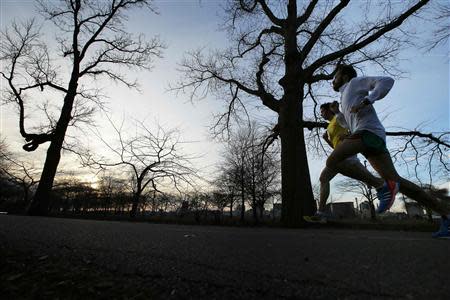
110,187
422,153
281,53
440,16
93,42
234,165
251,165
359,188
18,171
153,159
221,200
439,193
262,171
248,171
226,189
72,194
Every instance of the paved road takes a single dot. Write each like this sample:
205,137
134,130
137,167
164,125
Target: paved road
250,262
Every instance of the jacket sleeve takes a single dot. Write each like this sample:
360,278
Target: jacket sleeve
377,87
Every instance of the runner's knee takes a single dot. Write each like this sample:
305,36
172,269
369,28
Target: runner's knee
390,175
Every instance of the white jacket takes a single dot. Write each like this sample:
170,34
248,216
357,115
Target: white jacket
354,92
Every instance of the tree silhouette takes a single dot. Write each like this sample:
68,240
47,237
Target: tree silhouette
247,171
151,158
19,172
359,188
441,34
280,53
93,43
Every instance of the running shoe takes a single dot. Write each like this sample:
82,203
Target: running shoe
386,195
443,231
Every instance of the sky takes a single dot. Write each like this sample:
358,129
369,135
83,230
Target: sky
422,95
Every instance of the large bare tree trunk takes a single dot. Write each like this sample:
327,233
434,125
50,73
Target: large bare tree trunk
40,203
41,200
297,195
373,216
134,206
242,193
136,198
255,207
231,205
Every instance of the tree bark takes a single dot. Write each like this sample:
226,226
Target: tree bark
135,201
40,204
253,187
373,216
297,194
242,193
231,205
255,208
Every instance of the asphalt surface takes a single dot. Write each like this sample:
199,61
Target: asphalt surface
250,263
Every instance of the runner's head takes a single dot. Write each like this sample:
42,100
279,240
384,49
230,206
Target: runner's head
344,73
334,107
326,112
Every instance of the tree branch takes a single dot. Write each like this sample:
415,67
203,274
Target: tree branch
320,29
358,45
268,12
303,18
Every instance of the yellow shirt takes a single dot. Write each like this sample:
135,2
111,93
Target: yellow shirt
335,132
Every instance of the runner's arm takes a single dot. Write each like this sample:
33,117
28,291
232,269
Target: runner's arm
327,139
376,87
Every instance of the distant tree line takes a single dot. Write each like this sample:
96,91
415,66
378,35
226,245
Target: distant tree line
114,196
248,175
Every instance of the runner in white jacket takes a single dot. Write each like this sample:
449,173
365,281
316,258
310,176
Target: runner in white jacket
368,137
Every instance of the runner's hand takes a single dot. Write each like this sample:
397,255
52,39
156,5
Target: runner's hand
359,106
344,136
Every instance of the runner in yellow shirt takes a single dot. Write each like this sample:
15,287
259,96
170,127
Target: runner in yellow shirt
351,167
